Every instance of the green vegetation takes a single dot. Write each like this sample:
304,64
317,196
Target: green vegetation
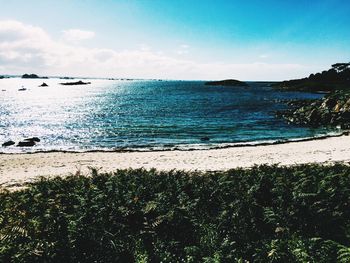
336,78
263,214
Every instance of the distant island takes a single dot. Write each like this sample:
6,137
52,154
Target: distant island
227,82
75,83
336,78
32,76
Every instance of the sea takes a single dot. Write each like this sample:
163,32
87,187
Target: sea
144,115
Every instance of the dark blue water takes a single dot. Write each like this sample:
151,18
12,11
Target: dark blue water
143,114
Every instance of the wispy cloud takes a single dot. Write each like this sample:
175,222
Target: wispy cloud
27,48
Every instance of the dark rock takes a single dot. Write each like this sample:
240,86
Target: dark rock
329,103
75,83
314,116
326,117
32,139
26,144
205,139
345,115
8,143
44,85
227,82
333,110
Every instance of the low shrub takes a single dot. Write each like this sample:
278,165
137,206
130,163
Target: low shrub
264,214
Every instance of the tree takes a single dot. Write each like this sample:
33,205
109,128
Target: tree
340,66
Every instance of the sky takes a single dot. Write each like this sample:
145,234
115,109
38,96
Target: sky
174,39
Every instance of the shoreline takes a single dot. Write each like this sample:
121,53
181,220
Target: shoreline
176,148
17,169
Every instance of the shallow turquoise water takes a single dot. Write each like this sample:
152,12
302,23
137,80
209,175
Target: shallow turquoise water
142,114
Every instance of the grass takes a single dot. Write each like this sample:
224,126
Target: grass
264,214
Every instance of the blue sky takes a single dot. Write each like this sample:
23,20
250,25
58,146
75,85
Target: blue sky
177,39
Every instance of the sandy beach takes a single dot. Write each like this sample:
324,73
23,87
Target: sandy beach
16,169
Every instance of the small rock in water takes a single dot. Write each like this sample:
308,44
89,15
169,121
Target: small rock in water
44,85
9,143
32,139
205,139
26,144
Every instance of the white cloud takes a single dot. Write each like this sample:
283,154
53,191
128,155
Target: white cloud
77,35
11,30
25,49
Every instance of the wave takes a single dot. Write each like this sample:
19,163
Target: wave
175,147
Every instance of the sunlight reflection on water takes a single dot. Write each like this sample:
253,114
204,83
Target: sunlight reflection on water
115,114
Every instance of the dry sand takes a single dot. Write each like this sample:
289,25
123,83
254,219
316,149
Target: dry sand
16,169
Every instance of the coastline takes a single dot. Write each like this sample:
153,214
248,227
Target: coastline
19,168
184,147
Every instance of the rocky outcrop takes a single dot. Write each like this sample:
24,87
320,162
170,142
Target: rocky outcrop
25,144
28,142
75,83
32,139
227,82
8,143
333,110
44,85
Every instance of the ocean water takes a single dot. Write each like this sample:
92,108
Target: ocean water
142,115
